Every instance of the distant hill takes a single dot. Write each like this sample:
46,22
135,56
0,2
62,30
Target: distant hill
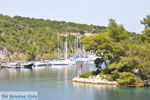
29,38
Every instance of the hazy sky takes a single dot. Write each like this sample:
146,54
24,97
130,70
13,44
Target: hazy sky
97,12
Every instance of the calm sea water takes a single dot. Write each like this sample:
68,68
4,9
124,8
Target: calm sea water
52,83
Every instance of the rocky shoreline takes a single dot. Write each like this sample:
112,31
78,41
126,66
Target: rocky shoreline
146,82
94,80
98,80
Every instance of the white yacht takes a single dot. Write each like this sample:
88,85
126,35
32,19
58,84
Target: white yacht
41,63
62,61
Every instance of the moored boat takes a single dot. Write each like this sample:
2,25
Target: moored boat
41,63
62,61
13,65
17,65
28,66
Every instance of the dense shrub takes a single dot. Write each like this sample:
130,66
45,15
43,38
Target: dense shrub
115,75
87,75
106,77
128,79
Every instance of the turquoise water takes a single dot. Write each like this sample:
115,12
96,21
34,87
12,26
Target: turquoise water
52,83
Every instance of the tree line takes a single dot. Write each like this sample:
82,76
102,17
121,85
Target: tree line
33,39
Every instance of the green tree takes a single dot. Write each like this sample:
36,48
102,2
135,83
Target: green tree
122,52
146,21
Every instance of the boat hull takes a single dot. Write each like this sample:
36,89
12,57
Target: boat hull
28,66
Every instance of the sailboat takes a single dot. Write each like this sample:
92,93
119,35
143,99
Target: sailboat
57,61
63,61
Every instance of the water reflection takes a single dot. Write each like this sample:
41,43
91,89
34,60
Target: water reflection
52,83
107,92
6,73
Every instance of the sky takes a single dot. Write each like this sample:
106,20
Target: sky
96,12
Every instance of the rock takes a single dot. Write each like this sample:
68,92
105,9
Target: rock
4,54
94,80
97,81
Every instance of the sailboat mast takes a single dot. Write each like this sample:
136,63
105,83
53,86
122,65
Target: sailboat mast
58,44
66,46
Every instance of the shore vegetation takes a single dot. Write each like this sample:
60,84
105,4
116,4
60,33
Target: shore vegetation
126,55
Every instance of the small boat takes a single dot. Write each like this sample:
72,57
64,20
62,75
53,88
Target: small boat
20,65
4,65
28,66
62,61
13,65
0,65
40,64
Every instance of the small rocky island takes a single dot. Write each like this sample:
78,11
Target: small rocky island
100,79
94,80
